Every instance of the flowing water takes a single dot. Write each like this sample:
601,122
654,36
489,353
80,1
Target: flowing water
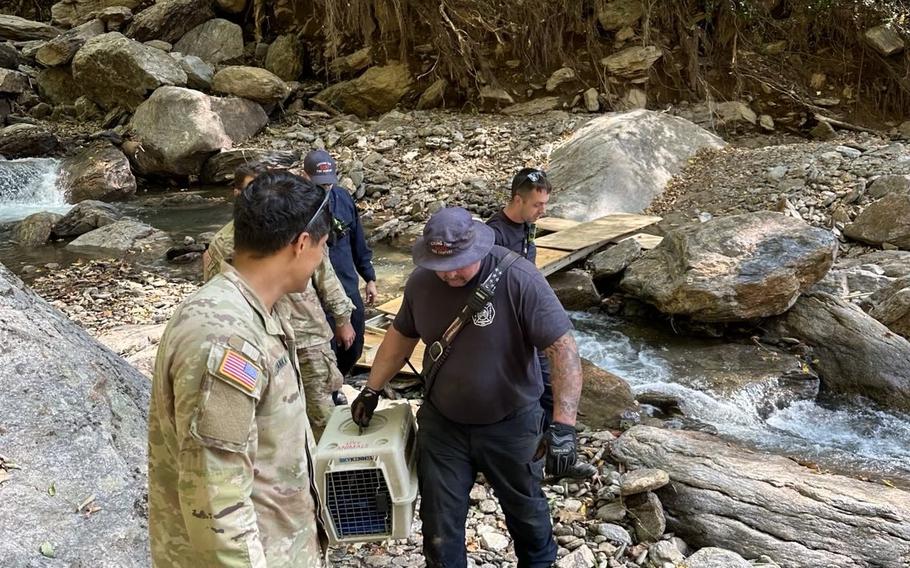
28,186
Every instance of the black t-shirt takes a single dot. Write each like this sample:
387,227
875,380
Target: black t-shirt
492,369
518,237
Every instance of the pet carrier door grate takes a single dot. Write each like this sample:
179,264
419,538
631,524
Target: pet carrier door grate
359,503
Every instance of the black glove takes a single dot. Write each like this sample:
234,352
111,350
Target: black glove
561,449
364,405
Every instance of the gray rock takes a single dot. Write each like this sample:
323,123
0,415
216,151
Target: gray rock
19,29
620,162
534,106
757,503
84,217
604,397
732,268
205,125
160,45
116,17
888,184
352,63
86,109
9,56
592,100
560,77
220,167
884,221
582,557
647,516
85,436
99,172
478,493
716,558
885,40
575,289
57,86
614,533
494,541
120,237
251,83
285,57
215,41
60,50
13,82
611,512
136,69
614,15
487,506
894,312
377,91
632,62
434,96
663,553
170,20
493,97
766,123
611,262
643,480
199,74
733,113
71,13
232,6
27,140
36,229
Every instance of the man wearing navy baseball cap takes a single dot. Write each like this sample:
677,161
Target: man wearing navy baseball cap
351,257
481,410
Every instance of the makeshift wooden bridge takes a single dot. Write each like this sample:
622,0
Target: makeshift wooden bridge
565,243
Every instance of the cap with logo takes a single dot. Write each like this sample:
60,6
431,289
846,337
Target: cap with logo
320,166
452,240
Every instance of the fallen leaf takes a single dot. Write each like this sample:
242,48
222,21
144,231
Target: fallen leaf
47,549
52,490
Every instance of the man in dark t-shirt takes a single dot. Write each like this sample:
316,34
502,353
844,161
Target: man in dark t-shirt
482,412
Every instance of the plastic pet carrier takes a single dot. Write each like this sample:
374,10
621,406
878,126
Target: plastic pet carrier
367,479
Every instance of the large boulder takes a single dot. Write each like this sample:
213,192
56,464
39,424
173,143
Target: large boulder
57,86
19,29
253,83
214,41
27,140
170,20
71,13
884,221
178,129
220,168
74,424
285,57
894,311
574,289
99,172
61,49
759,504
633,62
120,237
377,91
84,217
620,162
136,69
712,557
13,82
885,40
604,397
36,229
734,268
853,352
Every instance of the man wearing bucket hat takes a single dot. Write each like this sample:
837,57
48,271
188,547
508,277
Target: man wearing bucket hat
482,409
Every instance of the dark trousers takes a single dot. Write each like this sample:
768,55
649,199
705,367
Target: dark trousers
546,399
347,358
450,455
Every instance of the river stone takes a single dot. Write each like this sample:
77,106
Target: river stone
112,59
99,172
352,63
574,289
115,17
205,125
434,96
664,553
170,20
74,422
606,264
36,229
611,512
220,167
734,268
61,49
894,312
888,184
57,86
13,82
632,62
534,106
885,40
71,13
9,56
494,541
581,557
19,29
620,162
884,221
560,77
377,91
84,217
647,515
756,503
853,352
215,41
614,533
285,57
199,74
642,481
251,83
27,141
614,15
733,113
119,237
716,558
604,397
592,100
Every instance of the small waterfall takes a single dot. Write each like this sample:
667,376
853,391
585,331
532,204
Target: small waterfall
29,185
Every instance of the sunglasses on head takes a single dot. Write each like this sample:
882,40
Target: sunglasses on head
336,228
536,176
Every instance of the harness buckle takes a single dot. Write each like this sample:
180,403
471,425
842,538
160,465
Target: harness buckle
435,351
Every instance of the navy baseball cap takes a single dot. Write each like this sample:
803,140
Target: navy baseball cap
452,240
320,166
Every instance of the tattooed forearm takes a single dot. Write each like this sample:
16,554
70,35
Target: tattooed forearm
565,374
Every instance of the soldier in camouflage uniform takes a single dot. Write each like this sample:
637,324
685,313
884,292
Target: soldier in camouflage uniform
318,369
230,475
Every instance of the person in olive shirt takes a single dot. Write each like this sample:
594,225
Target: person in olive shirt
483,409
514,228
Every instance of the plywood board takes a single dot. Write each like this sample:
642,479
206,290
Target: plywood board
392,306
371,340
546,257
596,232
554,224
646,241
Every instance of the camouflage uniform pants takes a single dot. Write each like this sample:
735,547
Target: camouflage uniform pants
320,377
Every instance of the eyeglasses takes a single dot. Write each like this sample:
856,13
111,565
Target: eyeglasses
333,233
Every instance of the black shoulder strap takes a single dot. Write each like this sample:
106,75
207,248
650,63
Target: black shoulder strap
438,351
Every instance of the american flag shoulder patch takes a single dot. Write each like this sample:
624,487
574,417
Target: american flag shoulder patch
239,370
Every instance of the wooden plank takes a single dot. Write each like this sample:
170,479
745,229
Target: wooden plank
392,306
596,232
646,241
371,340
554,224
548,256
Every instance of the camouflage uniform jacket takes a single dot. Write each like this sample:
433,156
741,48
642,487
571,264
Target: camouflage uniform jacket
230,478
307,316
